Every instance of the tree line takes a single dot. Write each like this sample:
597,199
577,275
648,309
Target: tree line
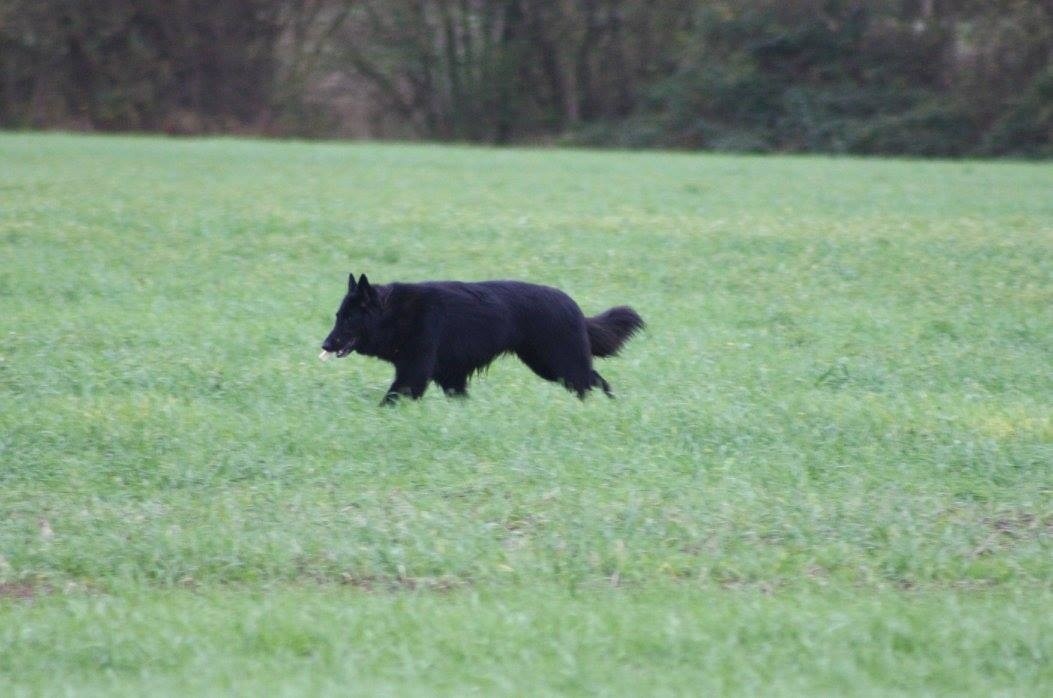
920,77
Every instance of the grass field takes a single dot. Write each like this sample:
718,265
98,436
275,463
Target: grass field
829,468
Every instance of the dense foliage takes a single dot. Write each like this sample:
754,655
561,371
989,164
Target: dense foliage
926,77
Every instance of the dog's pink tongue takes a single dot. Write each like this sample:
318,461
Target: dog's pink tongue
325,355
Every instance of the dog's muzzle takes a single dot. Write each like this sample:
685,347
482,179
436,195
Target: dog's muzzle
341,353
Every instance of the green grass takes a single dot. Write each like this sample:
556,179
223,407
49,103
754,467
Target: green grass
829,468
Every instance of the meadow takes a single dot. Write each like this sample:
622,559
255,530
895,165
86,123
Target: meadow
829,468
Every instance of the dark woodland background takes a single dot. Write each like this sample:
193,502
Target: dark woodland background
919,77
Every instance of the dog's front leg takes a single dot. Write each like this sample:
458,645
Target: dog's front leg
411,378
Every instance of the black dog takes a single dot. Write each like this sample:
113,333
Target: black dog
447,330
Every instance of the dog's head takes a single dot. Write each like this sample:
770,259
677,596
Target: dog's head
360,306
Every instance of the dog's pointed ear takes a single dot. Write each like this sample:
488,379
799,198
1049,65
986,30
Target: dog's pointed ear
351,286
367,291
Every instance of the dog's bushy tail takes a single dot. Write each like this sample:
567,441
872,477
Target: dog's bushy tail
609,330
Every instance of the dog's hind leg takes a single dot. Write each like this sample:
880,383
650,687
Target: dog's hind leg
573,372
599,382
578,380
579,386
537,365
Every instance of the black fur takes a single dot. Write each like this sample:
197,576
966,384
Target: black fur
444,331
